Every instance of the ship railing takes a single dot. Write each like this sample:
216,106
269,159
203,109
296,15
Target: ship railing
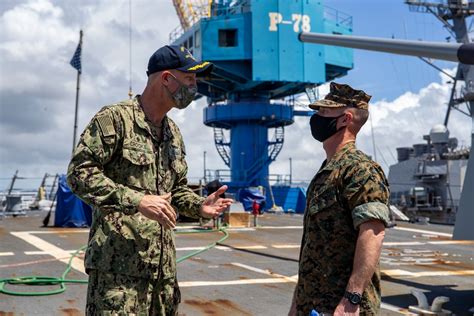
238,7
225,176
176,33
341,18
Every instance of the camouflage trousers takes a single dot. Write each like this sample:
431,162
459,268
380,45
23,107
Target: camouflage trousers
118,294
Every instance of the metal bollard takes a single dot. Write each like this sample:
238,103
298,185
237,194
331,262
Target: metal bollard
424,309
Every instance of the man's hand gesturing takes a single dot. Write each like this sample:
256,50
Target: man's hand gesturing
213,205
158,208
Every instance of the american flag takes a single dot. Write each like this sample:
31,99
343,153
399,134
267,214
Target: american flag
76,59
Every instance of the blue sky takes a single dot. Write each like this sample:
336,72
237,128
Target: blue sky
388,75
37,84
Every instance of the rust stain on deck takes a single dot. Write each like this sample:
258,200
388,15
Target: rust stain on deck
71,312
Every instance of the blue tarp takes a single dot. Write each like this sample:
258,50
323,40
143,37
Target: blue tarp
291,199
70,210
247,196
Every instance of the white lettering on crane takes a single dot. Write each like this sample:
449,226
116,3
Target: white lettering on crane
301,22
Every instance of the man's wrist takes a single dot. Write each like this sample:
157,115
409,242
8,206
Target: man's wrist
355,298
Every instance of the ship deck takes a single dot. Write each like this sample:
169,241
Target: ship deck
253,272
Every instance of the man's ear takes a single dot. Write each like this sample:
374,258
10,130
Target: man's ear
350,116
347,118
166,77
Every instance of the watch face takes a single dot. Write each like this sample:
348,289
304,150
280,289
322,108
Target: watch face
355,298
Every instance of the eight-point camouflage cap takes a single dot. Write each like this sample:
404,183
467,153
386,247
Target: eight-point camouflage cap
342,95
176,57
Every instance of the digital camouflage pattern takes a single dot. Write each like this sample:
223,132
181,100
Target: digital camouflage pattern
347,191
117,294
120,158
342,95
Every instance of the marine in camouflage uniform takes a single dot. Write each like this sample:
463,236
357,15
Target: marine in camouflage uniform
131,260
348,190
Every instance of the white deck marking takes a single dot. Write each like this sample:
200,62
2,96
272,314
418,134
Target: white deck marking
404,243
189,248
240,229
249,247
2,254
56,231
281,227
277,246
20,264
222,248
60,254
278,278
40,252
285,246
404,273
422,231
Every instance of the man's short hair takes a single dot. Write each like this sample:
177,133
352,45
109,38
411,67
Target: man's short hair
359,118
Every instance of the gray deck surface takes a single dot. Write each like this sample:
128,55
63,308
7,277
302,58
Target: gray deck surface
252,274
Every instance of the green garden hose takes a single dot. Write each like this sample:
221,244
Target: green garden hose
48,281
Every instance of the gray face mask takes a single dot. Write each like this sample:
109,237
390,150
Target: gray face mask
184,95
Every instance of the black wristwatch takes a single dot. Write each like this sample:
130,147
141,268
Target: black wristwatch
353,297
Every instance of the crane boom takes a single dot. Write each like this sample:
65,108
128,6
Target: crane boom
457,52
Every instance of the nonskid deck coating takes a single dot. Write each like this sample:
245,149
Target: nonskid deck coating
251,273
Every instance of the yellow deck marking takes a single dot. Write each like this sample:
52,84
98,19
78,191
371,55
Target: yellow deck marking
404,273
436,242
285,246
452,242
267,272
422,231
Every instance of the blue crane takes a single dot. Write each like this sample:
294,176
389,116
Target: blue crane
259,64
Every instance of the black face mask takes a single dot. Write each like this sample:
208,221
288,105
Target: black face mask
324,127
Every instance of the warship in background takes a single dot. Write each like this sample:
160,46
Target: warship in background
427,180
432,178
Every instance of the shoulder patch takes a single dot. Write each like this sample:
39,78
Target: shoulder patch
106,124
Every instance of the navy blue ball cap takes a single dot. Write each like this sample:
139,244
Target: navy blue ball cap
176,57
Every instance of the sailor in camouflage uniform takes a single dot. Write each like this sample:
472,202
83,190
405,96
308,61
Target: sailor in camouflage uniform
130,166
346,215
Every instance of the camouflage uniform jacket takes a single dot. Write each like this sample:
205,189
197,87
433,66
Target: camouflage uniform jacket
118,160
347,191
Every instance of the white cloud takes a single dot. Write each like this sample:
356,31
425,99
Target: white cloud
37,96
397,123
37,84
